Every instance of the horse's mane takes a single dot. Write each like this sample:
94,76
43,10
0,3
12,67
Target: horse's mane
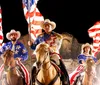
90,62
8,53
42,47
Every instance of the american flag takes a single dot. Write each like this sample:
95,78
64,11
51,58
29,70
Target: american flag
33,17
1,30
94,33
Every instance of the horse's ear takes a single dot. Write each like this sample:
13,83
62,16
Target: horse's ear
2,57
8,52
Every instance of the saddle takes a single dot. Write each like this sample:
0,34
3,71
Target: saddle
62,72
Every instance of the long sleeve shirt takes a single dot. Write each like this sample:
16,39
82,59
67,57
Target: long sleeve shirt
54,40
82,57
19,50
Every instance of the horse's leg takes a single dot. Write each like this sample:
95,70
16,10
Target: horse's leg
21,81
33,75
75,82
4,82
4,79
58,82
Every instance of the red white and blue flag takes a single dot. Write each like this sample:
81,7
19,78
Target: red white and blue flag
33,17
1,30
94,33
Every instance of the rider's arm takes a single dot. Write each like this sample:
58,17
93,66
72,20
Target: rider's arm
33,46
56,45
95,59
38,40
81,59
24,53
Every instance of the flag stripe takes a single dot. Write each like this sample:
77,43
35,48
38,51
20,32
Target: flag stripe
36,22
94,33
1,30
34,18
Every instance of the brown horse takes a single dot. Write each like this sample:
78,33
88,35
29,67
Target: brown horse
13,73
47,74
88,76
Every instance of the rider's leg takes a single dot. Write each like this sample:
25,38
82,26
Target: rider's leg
55,59
65,75
59,62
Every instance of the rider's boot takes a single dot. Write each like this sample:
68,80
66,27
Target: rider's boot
64,75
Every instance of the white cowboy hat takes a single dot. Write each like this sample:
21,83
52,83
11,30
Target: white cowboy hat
13,32
86,45
47,21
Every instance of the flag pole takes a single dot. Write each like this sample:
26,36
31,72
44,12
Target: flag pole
1,29
30,37
29,24
29,29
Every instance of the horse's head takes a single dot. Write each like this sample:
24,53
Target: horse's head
90,62
8,58
42,54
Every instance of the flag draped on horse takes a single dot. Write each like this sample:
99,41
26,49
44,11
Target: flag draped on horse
94,33
33,17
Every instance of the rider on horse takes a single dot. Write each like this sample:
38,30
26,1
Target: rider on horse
54,40
20,52
86,52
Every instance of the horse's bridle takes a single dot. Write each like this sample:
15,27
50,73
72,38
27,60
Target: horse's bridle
55,78
44,61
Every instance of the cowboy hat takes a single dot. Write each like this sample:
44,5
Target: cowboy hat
13,32
47,21
86,45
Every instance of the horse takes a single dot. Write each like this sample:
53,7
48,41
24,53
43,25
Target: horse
47,73
12,74
88,77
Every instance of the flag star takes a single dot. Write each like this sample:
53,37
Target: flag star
24,50
7,47
18,47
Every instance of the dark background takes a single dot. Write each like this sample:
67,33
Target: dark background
73,16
